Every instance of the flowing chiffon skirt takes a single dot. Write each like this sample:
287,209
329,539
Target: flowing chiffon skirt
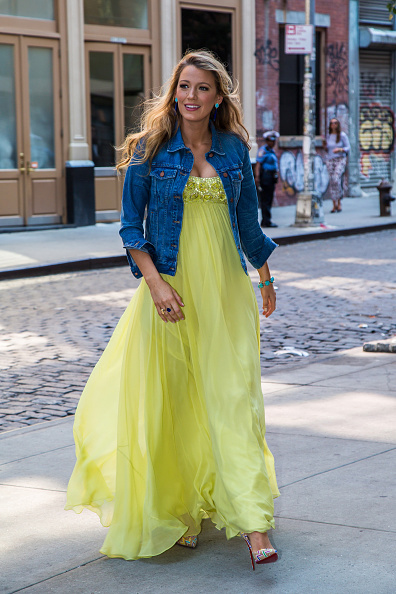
170,428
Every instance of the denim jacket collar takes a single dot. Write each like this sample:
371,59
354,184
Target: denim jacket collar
176,142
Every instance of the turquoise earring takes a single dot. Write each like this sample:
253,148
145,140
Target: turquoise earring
176,102
215,113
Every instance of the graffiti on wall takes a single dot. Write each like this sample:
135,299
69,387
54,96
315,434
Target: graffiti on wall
376,139
337,71
291,169
376,125
376,130
267,54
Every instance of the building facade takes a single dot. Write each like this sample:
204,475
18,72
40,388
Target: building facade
376,95
280,77
355,82
73,75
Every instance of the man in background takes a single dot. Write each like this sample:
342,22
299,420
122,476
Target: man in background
266,176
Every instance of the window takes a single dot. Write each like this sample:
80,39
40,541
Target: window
101,71
375,12
291,80
210,30
117,77
116,13
34,9
133,83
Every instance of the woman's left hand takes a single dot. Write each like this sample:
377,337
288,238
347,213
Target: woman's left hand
269,299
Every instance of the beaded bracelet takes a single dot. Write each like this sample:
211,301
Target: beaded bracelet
266,283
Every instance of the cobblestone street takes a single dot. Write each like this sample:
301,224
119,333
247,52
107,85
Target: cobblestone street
332,294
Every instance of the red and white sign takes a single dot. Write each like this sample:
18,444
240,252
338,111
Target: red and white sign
298,39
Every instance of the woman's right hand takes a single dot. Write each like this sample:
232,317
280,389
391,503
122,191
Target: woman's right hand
166,297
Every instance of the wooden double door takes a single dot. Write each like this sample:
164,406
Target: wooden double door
31,192
118,82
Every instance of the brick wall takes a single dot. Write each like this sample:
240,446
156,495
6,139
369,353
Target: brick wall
334,79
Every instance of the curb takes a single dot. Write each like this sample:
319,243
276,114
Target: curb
113,261
62,267
380,346
36,427
314,236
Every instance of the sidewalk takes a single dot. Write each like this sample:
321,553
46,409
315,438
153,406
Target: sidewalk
331,428
28,253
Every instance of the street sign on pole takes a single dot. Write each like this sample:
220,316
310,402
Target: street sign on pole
298,39
309,207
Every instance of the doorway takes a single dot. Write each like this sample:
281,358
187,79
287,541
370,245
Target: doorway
119,80
209,29
30,132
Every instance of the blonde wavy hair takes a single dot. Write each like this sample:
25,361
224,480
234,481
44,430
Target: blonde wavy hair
159,119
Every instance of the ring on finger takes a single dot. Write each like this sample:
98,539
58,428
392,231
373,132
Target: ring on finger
168,309
162,310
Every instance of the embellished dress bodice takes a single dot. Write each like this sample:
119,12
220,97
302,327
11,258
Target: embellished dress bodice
204,189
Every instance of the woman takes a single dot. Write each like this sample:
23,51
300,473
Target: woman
170,427
337,146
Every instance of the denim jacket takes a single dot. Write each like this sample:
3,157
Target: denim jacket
160,189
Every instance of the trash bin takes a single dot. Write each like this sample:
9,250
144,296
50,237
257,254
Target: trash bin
80,193
385,198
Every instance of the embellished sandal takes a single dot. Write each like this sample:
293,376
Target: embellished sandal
262,555
188,541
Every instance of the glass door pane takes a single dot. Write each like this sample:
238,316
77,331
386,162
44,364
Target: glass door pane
41,97
8,144
133,79
101,75
34,9
116,13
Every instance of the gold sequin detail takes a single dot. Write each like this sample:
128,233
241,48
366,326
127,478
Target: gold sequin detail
204,189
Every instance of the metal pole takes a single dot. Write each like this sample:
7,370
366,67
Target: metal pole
309,209
309,104
354,188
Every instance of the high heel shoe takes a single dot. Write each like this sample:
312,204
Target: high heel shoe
262,555
188,541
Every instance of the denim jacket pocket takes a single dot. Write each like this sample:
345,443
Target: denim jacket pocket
162,181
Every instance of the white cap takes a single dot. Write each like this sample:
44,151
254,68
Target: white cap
271,135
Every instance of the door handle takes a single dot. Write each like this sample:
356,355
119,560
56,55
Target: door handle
22,167
29,169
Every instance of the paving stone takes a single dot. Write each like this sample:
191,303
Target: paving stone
54,413
34,421
31,414
14,417
73,395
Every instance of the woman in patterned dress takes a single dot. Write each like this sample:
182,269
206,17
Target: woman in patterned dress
337,147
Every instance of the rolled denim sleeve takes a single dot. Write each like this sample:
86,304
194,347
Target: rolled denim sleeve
255,244
135,197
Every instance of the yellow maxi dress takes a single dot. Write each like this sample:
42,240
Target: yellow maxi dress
170,428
